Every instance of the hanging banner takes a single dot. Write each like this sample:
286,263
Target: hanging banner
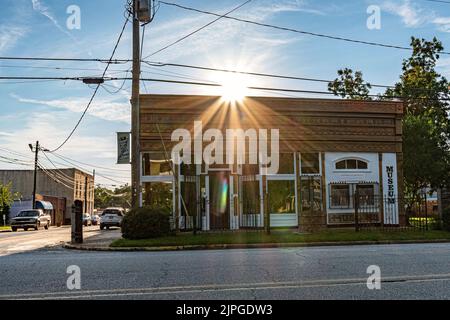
123,147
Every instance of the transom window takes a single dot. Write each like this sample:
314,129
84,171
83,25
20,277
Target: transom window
351,164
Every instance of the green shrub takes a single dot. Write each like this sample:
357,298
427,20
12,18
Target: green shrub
446,219
146,223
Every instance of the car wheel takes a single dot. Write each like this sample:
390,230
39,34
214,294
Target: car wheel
107,227
14,229
47,226
102,227
25,229
38,225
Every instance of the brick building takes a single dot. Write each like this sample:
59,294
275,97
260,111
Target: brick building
60,187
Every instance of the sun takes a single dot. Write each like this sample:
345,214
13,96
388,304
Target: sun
233,87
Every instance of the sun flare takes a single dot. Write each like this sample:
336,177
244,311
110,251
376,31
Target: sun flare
233,87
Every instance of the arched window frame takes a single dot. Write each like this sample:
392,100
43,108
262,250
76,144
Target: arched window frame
357,159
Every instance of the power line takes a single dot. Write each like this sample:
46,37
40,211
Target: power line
197,30
65,158
16,163
53,177
440,1
53,68
213,84
275,89
108,61
315,34
96,89
162,64
108,177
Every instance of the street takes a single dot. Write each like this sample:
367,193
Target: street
21,241
416,271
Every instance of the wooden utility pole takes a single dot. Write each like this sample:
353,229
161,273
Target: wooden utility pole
36,155
86,185
135,150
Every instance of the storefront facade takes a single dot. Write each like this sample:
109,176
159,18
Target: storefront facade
329,152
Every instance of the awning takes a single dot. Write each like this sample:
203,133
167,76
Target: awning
44,205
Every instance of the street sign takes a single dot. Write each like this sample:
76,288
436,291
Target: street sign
123,147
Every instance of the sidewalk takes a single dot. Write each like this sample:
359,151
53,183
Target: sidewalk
104,245
96,241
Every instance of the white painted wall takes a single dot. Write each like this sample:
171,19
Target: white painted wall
390,188
349,176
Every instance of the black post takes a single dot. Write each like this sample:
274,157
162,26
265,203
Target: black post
426,212
36,152
77,222
356,205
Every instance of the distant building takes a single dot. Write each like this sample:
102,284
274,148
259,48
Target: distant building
59,187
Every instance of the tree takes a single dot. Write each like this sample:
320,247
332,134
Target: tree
119,197
426,126
350,86
6,200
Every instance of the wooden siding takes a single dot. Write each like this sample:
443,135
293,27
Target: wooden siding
305,125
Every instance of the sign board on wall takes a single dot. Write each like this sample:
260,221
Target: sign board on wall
390,188
123,147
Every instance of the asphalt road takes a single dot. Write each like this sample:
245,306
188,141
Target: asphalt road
22,241
418,271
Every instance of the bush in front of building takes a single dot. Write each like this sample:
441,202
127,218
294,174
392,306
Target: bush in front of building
446,219
146,223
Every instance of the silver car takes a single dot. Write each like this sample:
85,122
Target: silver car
87,220
31,219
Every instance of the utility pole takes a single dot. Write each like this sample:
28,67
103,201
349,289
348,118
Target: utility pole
36,155
135,109
86,181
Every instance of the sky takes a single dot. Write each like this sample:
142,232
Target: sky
47,111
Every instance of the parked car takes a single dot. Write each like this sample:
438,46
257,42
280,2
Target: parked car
95,219
87,220
111,217
28,219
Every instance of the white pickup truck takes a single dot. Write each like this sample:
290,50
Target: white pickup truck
31,219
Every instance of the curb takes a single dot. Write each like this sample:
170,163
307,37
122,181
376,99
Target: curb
5,231
248,246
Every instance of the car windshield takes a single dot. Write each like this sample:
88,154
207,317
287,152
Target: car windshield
28,214
112,211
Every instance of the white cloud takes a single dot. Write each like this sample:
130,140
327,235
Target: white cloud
96,148
39,7
411,15
223,35
10,35
443,65
443,23
106,109
273,7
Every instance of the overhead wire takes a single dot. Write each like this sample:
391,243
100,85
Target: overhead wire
315,34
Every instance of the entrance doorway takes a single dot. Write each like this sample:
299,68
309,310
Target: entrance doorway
219,200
